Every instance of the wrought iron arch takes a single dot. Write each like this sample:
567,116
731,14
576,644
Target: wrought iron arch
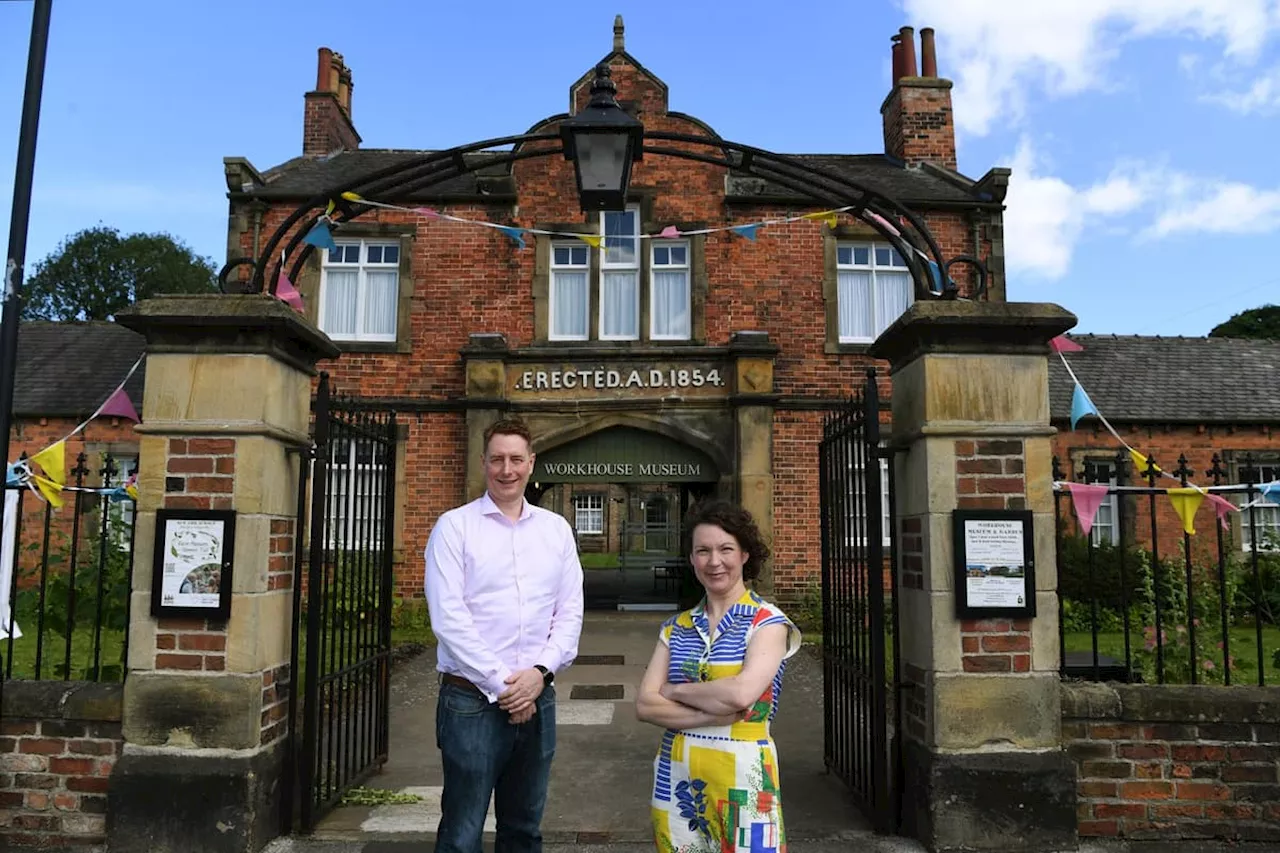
898,225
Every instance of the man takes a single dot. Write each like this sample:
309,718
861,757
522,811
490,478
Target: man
504,589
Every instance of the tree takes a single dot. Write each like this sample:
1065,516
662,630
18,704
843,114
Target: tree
96,272
1261,322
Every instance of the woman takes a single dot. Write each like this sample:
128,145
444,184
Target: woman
713,684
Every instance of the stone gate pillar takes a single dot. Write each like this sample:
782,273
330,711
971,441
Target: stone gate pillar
981,720
753,399
225,410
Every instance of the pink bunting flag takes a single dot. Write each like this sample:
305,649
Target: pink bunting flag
120,406
429,212
1064,344
1086,498
670,231
1222,506
288,294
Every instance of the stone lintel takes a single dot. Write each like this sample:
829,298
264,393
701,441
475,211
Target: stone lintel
1168,703
752,342
985,328
222,323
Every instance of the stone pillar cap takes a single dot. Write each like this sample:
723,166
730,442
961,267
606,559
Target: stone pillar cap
225,323
972,328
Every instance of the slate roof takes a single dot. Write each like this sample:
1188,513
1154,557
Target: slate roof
308,176
69,369
1136,379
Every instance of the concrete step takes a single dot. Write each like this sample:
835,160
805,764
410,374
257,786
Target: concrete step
859,841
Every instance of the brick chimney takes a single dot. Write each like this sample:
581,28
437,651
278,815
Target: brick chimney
918,124
326,120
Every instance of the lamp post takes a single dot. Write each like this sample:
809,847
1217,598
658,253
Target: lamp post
602,141
20,217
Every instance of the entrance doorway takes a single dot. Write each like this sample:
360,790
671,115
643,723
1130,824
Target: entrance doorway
625,492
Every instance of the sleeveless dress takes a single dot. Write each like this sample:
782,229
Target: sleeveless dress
716,789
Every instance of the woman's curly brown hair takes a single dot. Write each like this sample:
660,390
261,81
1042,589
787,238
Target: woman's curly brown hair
735,521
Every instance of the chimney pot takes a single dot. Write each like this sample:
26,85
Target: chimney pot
322,69
897,58
907,37
928,54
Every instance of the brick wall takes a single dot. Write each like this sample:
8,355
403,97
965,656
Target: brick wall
918,123
989,475
59,742
995,645
1163,762
200,473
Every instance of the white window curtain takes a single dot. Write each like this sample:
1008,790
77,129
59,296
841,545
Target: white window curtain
380,302
893,297
856,318
620,305
671,304
569,300
341,290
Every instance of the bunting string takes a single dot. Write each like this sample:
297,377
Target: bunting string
1186,498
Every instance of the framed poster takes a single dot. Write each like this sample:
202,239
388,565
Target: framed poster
191,569
995,563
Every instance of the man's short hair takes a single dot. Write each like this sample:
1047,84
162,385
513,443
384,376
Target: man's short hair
508,426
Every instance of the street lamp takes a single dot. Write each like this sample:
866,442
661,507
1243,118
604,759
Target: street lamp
602,141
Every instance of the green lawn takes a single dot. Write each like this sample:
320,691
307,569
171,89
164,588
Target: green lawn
1244,648
610,561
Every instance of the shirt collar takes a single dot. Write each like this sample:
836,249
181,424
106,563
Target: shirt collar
488,507
699,614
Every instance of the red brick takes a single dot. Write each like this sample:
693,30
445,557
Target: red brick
1099,828
190,465
1006,643
174,623
1234,811
1119,810
211,446
1001,485
202,642
1097,789
1022,663
1203,791
35,800
1249,773
91,747
226,465
211,485
66,802
964,448
1146,790
1142,750
973,502
71,766
177,446
42,746
1164,812
1116,731
89,785
1195,752
166,641
215,663
979,466
1148,770
186,502
987,663
169,661
969,645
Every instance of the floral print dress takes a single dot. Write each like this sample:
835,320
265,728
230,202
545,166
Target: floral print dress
716,789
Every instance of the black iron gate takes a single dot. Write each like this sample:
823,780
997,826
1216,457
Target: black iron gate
342,608
855,480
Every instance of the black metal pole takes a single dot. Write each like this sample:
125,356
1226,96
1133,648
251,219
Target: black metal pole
21,215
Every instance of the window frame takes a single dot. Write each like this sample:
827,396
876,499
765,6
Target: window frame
362,267
375,472
870,267
857,478
1266,517
605,267
654,268
553,268
579,509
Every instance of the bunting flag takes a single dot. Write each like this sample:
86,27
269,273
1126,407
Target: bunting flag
669,231
1222,506
119,405
49,489
1064,344
1185,503
328,211
289,294
350,196
1141,465
53,461
1081,405
1270,492
320,235
428,212
748,231
826,217
872,216
1086,498
592,240
516,234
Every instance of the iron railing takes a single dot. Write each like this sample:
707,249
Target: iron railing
69,582
1141,599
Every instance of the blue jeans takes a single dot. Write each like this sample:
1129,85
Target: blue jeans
484,754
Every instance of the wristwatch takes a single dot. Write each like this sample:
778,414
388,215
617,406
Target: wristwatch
548,677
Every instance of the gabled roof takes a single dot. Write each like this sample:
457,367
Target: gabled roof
304,177
69,369
1134,379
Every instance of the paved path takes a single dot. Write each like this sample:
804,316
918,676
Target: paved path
604,757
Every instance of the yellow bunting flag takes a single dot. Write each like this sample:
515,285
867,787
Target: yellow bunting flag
53,460
350,196
592,240
1185,503
1140,463
826,216
328,211
50,490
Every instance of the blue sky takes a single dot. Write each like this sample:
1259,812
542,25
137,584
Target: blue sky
1142,133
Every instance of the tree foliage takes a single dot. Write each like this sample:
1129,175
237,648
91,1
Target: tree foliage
96,272
1261,322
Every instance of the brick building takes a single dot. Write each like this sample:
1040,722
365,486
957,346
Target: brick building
679,368
1171,397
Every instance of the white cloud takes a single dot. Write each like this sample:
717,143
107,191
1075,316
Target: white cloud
1046,215
1215,207
1262,97
999,51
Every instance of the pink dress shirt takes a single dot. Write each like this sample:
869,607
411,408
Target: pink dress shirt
503,596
